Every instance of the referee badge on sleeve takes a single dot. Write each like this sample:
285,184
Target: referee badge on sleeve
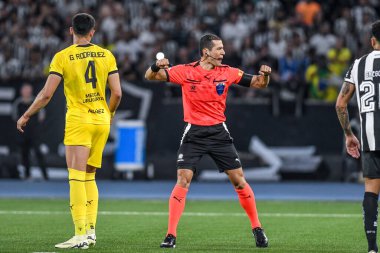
220,88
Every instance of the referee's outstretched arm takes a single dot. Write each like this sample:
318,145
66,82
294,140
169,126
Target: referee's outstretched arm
157,72
257,81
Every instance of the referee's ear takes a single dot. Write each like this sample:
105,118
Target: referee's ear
202,52
71,30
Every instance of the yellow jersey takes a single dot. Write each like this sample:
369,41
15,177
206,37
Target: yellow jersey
85,70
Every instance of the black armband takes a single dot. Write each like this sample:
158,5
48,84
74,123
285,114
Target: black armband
154,67
245,80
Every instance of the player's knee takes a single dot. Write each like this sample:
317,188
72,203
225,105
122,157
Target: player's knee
90,169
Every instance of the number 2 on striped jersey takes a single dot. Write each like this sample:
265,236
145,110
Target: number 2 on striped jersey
91,79
367,101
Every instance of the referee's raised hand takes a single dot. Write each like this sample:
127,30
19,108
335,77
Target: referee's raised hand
265,70
163,63
156,71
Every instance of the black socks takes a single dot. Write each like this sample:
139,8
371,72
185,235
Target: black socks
370,219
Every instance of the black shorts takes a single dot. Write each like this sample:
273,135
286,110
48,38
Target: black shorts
212,140
371,164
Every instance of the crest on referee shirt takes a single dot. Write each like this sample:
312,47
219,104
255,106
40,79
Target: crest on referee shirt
220,88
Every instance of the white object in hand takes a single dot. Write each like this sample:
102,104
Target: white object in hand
160,56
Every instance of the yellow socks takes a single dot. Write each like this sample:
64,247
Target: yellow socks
78,200
84,198
92,202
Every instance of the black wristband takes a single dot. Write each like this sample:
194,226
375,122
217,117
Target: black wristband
154,67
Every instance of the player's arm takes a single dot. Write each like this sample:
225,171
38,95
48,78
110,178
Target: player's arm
342,101
257,81
114,85
344,97
157,71
42,99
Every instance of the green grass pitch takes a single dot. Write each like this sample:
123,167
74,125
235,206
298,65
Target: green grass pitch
30,225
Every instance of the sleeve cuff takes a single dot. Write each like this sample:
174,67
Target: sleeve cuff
56,73
113,72
348,81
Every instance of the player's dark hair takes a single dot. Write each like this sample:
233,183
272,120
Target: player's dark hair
376,30
206,42
83,23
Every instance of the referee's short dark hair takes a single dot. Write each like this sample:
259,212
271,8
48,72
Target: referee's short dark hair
83,23
376,30
206,42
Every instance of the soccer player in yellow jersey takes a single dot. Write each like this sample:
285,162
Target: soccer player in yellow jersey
85,69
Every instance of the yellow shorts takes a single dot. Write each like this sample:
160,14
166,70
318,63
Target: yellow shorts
90,135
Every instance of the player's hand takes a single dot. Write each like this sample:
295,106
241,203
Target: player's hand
21,122
352,146
163,63
265,70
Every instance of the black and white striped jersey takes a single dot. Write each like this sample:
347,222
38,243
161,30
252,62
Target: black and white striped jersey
364,73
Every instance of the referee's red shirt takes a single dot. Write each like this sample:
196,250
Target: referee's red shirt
204,92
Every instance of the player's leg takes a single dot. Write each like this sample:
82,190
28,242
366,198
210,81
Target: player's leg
371,172
92,195
76,158
99,138
78,143
370,205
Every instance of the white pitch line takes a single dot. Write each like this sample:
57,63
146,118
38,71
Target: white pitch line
201,214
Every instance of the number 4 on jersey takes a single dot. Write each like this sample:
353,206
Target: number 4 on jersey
92,79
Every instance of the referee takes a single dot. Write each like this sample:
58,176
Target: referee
364,77
205,84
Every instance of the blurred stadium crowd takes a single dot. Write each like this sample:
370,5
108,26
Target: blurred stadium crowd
308,43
